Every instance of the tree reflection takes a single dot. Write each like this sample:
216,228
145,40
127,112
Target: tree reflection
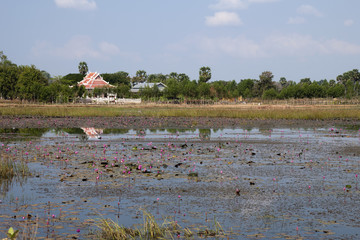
204,134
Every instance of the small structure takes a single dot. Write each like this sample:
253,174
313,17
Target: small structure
93,80
137,87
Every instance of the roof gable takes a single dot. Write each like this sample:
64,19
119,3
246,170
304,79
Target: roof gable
94,80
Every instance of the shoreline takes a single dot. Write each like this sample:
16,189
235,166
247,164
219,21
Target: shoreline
128,122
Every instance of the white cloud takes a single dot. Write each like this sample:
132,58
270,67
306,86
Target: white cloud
229,4
109,48
292,45
237,47
306,45
78,47
348,22
223,19
296,20
77,4
341,47
262,1
237,4
309,10
289,45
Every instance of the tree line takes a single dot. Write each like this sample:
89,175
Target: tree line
31,84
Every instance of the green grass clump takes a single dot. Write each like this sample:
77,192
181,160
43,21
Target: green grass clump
150,229
10,168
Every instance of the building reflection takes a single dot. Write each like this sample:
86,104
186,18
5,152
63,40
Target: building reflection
93,133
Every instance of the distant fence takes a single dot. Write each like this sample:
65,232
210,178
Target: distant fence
315,101
128,101
120,101
110,101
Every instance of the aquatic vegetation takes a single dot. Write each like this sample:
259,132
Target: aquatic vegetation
151,229
12,234
10,168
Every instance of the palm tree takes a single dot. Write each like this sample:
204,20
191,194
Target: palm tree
83,68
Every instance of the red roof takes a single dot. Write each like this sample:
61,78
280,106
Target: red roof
94,80
92,132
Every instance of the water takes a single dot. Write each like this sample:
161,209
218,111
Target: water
288,179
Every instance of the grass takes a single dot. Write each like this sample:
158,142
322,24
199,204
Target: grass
10,169
150,229
313,112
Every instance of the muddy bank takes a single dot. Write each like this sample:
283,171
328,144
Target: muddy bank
168,122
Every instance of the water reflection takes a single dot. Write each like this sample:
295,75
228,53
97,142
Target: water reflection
93,133
21,134
90,133
204,134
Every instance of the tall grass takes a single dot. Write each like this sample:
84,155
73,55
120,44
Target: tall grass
150,229
235,111
10,168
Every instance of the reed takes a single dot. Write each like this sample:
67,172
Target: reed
150,229
10,168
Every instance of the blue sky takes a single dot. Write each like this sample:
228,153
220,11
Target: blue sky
237,39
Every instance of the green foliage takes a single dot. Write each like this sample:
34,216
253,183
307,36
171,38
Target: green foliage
117,78
204,74
265,81
172,90
155,78
150,92
9,76
203,90
190,89
245,87
72,78
83,68
30,83
270,94
12,234
336,91
122,90
141,76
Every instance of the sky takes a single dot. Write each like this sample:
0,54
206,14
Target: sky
237,39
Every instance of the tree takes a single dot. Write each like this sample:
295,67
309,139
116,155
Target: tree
182,77
141,76
30,82
83,68
305,81
72,78
155,78
270,94
338,90
349,78
190,89
122,90
9,76
117,78
204,90
46,75
265,81
283,81
172,90
204,74
245,87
